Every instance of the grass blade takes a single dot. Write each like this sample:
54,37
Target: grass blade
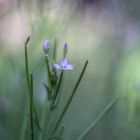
30,88
98,120
24,125
26,61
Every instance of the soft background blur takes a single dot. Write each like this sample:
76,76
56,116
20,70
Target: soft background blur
106,32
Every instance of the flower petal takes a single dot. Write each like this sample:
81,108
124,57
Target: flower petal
69,67
56,66
63,62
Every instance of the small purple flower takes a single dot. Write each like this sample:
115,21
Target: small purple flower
46,45
63,65
65,46
65,49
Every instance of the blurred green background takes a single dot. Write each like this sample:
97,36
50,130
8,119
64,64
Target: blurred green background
105,32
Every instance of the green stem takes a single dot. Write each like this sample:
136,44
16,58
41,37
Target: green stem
29,90
58,87
31,107
59,94
98,120
49,73
26,62
70,99
24,125
55,49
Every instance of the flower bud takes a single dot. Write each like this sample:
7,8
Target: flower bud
46,45
65,49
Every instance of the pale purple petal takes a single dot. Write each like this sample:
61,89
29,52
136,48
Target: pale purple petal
63,62
63,65
69,67
56,66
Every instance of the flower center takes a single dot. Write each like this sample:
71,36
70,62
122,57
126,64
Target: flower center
63,65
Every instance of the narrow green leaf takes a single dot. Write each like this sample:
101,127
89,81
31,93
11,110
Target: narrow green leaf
29,82
70,99
26,61
98,119
24,125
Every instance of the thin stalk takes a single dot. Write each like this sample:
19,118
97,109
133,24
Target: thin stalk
58,87
59,94
28,85
49,73
70,99
31,107
98,119
55,49
26,62
24,125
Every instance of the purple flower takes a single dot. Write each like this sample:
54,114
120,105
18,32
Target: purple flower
63,65
46,45
65,46
65,49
